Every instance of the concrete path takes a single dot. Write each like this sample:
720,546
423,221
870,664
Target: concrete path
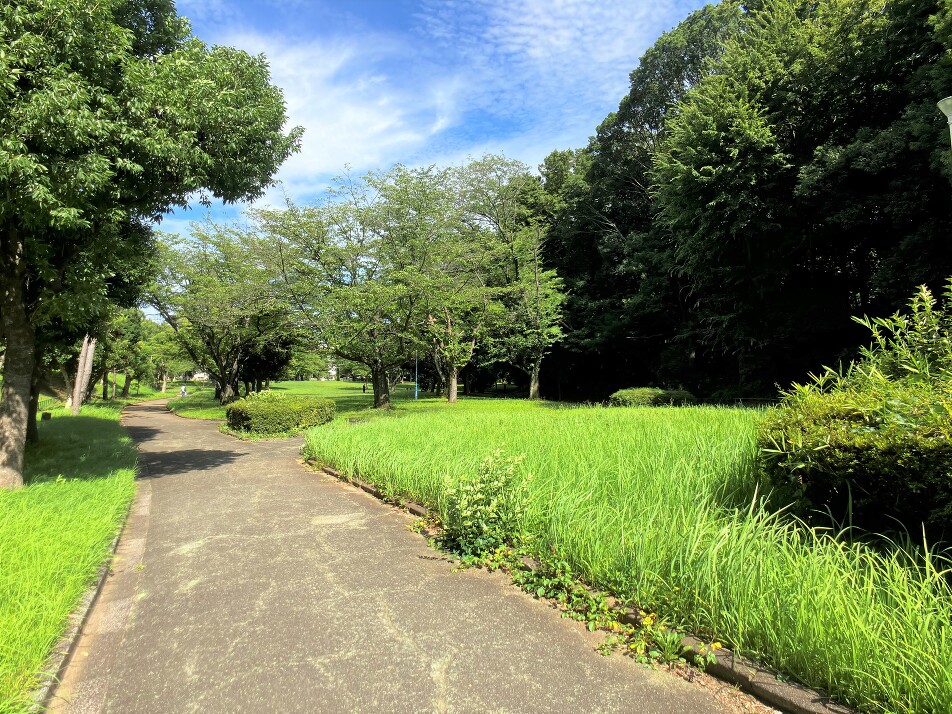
245,583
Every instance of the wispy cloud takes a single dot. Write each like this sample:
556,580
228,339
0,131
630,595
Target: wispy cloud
458,78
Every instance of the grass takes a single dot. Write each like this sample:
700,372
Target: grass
351,400
54,535
655,505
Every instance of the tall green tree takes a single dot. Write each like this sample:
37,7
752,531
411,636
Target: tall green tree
110,115
625,304
806,179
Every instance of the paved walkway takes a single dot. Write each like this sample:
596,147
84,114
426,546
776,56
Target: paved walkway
245,583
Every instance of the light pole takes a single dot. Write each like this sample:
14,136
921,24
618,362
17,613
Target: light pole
946,106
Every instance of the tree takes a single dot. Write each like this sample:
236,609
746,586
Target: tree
499,195
359,266
625,312
111,115
219,303
806,179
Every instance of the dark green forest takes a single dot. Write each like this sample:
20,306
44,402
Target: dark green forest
776,168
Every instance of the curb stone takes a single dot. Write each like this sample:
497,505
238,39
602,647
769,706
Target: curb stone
763,683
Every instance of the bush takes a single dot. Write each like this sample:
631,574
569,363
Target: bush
873,444
650,397
276,413
872,456
485,511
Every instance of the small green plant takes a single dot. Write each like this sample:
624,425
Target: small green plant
485,510
650,397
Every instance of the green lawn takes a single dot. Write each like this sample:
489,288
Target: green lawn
54,535
654,505
350,398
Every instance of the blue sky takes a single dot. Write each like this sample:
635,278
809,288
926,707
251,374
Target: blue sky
378,82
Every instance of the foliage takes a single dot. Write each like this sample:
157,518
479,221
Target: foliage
657,507
270,412
650,397
873,444
218,301
55,534
444,262
485,511
111,114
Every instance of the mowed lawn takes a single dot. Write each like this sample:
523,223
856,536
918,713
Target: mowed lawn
349,397
54,535
659,506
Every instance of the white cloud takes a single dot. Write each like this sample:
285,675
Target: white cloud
522,77
355,112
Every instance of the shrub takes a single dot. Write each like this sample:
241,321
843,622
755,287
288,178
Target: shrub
485,511
650,397
276,413
873,444
875,456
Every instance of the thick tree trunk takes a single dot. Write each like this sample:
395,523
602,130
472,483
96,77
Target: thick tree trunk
381,384
126,386
165,382
453,385
534,379
18,361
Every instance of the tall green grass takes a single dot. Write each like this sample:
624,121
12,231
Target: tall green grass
659,506
54,535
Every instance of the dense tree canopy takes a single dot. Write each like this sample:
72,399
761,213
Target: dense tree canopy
110,114
776,168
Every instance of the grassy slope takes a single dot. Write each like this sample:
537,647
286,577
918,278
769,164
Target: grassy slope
644,502
55,533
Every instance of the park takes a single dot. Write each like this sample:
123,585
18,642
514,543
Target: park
467,434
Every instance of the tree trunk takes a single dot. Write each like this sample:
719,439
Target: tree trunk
127,385
534,379
83,373
18,361
381,384
105,385
165,381
453,385
32,432
229,392
68,382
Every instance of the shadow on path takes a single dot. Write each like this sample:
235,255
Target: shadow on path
170,463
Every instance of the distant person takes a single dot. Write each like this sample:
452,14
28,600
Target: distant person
184,391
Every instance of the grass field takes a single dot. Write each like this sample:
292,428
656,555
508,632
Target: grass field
54,535
655,505
349,397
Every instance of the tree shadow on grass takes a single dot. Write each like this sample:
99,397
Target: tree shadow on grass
78,447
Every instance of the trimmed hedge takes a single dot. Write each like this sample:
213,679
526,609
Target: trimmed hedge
275,413
650,397
873,444
882,457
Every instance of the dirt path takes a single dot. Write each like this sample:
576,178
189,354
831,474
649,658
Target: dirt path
245,583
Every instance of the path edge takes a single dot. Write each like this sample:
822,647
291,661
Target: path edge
65,648
761,682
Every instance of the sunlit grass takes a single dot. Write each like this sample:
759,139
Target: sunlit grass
351,400
54,535
656,505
